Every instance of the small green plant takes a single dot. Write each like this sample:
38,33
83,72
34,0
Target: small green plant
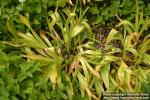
74,28
20,79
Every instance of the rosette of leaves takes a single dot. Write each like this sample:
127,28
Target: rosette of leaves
91,66
123,64
73,30
51,47
37,47
132,48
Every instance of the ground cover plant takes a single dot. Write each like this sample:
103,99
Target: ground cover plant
73,49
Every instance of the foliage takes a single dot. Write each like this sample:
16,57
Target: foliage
53,52
105,11
23,80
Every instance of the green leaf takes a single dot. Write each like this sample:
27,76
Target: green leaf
50,51
128,82
29,74
113,81
113,85
96,73
36,22
114,35
99,87
144,46
105,75
84,67
123,69
91,52
37,57
83,81
133,51
53,74
30,41
107,59
137,21
88,28
11,27
42,52
25,21
142,73
61,3
145,26
121,73
146,58
55,18
94,10
127,24
3,60
45,39
38,8
76,30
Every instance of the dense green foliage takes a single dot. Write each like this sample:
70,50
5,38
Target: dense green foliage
73,49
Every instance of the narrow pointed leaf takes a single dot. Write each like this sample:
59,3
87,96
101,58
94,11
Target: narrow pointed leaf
96,73
84,66
127,81
53,73
144,46
76,30
113,35
121,74
142,73
146,58
105,75
11,27
37,57
40,51
46,40
50,51
25,21
132,50
125,23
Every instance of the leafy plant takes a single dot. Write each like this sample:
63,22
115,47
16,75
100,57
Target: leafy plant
133,54
46,47
20,79
62,58
122,66
70,28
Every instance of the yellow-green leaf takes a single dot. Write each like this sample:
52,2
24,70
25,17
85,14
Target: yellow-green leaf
125,23
146,58
107,59
144,46
132,50
50,51
127,81
121,74
96,73
76,30
25,21
37,57
46,40
105,75
142,73
114,35
40,51
84,66
11,27
53,73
